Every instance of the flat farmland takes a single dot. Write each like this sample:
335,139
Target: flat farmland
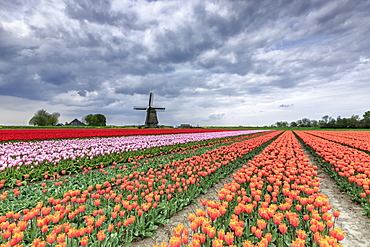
210,188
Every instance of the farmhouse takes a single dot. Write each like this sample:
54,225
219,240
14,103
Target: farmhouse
185,126
76,122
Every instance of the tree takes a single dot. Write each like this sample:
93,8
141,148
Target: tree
366,119
332,123
283,124
299,123
306,122
325,119
327,122
95,120
53,120
43,118
88,119
314,123
354,121
100,120
324,122
340,123
293,124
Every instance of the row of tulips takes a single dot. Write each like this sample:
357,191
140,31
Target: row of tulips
45,134
20,158
54,184
274,200
348,166
125,206
356,139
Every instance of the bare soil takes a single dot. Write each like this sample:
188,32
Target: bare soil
351,220
355,225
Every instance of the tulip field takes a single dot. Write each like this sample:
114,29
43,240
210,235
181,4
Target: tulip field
113,187
45,134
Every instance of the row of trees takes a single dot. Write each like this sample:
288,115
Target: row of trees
353,122
43,118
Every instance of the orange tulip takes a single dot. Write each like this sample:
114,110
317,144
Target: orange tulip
7,234
110,227
61,237
221,234
337,233
97,202
185,239
283,228
211,232
178,230
100,235
258,233
248,243
84,241
51,238
175,242
217,243
301,234
229,238
261,223
336,213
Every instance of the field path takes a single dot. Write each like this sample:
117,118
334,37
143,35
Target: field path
351,220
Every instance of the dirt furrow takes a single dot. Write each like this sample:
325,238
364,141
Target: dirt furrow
351,220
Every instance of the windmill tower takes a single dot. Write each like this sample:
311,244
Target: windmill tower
151,112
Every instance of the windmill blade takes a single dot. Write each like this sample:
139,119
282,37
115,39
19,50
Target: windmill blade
159,108
151,99
140,108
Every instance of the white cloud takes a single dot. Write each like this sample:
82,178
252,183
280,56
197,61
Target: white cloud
229,63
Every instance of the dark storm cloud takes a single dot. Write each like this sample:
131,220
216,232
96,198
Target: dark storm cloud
8,50
92,11
100,53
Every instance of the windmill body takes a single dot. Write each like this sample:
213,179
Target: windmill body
151,112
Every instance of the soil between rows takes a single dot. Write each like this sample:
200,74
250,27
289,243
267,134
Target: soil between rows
351,220
355,225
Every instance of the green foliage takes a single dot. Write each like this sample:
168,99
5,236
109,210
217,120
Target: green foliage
328,122
43,118
366,120
95,120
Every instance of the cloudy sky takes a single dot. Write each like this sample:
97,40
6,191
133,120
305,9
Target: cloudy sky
209,62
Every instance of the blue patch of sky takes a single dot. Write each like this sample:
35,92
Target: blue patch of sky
310,42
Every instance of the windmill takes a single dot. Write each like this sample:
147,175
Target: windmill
151,112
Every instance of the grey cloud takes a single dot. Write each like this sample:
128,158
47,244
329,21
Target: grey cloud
216,116
286,105
93,11
105,51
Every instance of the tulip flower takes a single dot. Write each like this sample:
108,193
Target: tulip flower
175,242
84,241
51,238
283,228
229,238
101,235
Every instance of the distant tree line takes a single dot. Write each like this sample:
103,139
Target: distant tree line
43,118
328,122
